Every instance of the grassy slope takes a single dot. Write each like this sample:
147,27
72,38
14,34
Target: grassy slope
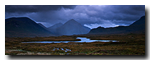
130,44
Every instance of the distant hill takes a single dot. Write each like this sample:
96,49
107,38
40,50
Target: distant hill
72,27
24,27
54,27
137,27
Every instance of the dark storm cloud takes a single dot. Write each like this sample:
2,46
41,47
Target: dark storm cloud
39,13
125,12
112,14
120,12
89,15
34,8
115,13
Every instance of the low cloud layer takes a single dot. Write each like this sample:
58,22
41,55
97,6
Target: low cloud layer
89,15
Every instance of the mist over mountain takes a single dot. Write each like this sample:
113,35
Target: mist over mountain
54,27
24,27
72,27
137,27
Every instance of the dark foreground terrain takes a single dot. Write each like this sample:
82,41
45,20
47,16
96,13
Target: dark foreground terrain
129,44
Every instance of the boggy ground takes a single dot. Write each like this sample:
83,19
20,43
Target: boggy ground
130,44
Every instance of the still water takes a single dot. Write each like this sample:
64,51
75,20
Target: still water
83,39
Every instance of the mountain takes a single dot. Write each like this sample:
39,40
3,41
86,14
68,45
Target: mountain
102,30
137,27
72,27
42,26
54,27
24,27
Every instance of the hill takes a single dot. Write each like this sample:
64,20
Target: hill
24,27
137,27
72,27
54,27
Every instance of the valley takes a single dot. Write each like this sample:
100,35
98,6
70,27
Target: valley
121,40
129,44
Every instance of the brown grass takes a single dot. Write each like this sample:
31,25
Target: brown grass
131,44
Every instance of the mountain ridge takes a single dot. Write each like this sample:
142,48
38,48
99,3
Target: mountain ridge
54,27
136,27
72,27
24,27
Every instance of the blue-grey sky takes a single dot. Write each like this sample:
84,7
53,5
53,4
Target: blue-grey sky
91,16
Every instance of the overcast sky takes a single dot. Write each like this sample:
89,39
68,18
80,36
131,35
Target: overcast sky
91,16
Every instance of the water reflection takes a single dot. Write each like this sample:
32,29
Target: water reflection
83,39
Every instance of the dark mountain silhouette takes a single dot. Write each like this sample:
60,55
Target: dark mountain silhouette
24,27
54,27
137,27
72,27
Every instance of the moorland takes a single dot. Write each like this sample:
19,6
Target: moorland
129,44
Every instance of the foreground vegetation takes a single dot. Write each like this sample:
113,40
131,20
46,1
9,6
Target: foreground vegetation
129,44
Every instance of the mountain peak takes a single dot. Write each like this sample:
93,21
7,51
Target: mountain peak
72,27
55,26
72,20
